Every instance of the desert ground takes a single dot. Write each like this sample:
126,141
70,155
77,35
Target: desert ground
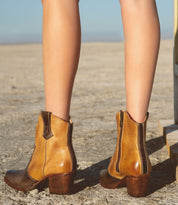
98,94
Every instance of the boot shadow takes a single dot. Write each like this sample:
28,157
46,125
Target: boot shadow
155,144
90,176
161,173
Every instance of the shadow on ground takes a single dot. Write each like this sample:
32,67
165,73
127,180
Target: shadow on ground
161,174
90,176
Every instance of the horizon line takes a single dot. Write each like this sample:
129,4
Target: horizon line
83,41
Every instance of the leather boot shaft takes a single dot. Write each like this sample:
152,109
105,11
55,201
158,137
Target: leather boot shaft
53,158
53,151
130,156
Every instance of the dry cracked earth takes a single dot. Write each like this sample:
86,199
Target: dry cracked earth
98,94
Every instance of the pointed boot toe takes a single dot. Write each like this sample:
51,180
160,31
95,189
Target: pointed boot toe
20,180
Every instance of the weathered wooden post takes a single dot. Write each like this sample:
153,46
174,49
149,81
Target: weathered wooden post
176,61
169,128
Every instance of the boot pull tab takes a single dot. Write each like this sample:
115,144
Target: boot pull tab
46,116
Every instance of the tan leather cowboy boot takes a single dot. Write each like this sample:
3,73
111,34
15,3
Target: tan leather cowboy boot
130,165
53,158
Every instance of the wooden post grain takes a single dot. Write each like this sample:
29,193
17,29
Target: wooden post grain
176,61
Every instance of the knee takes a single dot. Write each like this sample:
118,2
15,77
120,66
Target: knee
134,4
42,1
49,2
129,2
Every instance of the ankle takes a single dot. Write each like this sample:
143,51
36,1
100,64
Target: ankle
63,116
137,117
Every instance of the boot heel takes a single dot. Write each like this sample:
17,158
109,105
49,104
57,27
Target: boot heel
137,185
61,183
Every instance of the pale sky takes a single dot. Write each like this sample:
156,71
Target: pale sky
21,20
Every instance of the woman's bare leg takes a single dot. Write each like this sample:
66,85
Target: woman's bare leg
142,38
61,50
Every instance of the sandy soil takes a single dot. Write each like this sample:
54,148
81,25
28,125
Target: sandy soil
98,94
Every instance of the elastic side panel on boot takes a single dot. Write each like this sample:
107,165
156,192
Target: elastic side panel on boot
120,139
46,116
112,168
71,149
142,148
